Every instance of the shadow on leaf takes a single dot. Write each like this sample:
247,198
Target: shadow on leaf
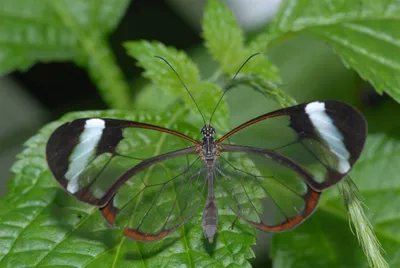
150,249
82,221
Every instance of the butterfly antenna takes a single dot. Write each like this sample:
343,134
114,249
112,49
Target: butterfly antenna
190,94
229,87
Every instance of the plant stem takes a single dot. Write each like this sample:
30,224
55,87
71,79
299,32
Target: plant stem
96,56
105,72
364,230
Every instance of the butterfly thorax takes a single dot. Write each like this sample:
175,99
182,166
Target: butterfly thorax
209,148
209,154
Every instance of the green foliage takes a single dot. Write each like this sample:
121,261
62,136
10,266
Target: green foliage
225,41
42,226
43,31
206,94
157,70
364,33
267,88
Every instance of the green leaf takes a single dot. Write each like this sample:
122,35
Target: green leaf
44,226
32,31
165,79
263,68
158,71
225,41
223,37
43,31
363,33
267,88
319,241
371,48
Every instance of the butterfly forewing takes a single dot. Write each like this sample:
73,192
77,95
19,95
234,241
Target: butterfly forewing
92,158
326,138
272,198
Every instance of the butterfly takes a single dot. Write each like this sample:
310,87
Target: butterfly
152,179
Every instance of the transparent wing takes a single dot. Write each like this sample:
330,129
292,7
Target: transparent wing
159,199
92,157
274,198
325,138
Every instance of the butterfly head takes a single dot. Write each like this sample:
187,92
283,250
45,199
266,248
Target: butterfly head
208,131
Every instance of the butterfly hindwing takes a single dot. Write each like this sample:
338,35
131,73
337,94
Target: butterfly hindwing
273,199
159,199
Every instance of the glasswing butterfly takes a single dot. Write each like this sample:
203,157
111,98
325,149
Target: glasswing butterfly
152,179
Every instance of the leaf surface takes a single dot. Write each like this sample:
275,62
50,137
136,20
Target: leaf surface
205,94
32,31
48,31
225,41
363,33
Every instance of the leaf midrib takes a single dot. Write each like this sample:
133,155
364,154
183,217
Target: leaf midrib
275,34
338,15
68,234
183,231
23,229
341,20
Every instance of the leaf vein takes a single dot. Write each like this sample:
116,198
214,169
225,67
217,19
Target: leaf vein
19,235
363,51
67,235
